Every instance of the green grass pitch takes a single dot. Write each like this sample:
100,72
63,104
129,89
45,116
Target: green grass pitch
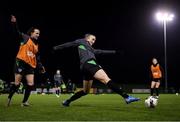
103,107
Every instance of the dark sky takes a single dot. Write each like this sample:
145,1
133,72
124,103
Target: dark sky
128,26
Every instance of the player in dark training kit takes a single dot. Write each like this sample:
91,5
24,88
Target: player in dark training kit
91,69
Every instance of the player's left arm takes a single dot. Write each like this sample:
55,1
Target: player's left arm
40,67
99,51
162,71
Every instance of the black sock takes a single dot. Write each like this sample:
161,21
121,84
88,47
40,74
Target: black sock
13,89
47,91
77,95
58,92
152,91
27,93
116,88
157,91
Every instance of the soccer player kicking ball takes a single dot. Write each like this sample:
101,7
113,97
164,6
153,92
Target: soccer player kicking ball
91,69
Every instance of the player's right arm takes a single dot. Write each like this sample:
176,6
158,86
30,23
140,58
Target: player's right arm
66,45
23,37
16,28
150,73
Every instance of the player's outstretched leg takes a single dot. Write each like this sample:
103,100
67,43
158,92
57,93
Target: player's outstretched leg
66,103
117,88
76,96
130,99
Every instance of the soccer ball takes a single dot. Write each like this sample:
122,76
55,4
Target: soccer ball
151,102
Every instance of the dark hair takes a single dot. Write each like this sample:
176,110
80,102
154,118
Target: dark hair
31,30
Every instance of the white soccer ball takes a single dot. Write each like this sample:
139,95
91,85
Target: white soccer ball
151,102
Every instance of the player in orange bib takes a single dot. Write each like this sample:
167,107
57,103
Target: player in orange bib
27,60
156,77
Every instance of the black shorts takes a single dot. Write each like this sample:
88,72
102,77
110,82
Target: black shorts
157,79
89,70
23,68
57,83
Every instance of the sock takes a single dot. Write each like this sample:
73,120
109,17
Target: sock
58,92
27,93
13,89
47,91
152,91
157,91
116,88
77,95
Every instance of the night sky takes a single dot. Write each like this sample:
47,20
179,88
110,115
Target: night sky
128,26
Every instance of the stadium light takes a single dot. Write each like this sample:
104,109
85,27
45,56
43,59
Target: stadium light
165,17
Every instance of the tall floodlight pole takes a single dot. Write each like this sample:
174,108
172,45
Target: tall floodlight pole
165,17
